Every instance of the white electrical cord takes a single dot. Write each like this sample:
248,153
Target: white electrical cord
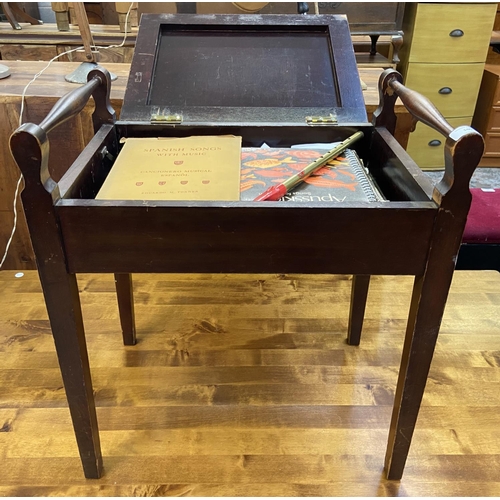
23,98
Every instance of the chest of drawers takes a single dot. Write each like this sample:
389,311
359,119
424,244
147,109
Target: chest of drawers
487,115
445,46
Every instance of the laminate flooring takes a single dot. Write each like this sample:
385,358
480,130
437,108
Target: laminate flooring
243,385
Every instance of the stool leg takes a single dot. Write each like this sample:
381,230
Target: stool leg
125,296
426,311
359,293
63,306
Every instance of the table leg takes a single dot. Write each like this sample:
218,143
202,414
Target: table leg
359,293
10,16
61,10
373,47
24,16
125,296
397,43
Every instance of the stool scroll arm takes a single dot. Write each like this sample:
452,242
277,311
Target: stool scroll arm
65,108
390,88
463,149
463,144
421,108
99,86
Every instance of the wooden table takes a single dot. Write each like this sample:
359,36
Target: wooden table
43,42
67,141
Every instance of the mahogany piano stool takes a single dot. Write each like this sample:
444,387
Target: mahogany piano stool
305,67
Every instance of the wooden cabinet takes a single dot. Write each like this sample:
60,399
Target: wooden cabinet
445,46
371,19
487,115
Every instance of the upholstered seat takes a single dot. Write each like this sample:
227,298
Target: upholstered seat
481,240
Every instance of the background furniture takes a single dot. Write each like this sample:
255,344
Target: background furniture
494,51
42,43
443,55
109,13
372,19
417,231
487,115
481,241
67,141
15,13
376,27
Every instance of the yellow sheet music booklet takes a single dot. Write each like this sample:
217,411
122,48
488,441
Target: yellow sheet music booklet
163,168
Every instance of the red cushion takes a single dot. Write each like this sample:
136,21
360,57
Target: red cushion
483,222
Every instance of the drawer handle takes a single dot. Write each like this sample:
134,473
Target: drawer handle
435,143
445,90
457,33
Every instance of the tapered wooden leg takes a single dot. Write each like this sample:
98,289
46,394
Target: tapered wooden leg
62,300
125,296
428,302
359,293
63,307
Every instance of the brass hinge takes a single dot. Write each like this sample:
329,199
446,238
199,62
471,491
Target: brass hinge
322,120
167,119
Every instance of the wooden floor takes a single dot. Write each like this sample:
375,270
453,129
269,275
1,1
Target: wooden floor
244,385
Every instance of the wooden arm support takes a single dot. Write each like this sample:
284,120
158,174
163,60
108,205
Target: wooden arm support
69,105
463,148
390,88
29,144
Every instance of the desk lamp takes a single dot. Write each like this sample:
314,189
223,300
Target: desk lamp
4,71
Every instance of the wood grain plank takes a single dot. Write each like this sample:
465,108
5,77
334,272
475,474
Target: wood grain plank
114,358
250,396
331,489
246,469
233,441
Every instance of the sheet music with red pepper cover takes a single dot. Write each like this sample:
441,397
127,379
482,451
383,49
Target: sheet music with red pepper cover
341,179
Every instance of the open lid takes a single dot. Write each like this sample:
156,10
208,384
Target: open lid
243,69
